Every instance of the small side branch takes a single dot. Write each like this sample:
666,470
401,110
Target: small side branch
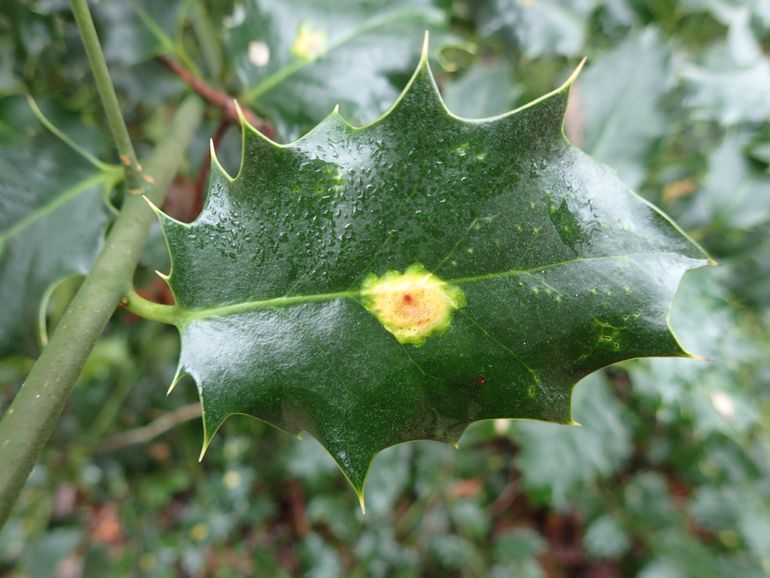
149,432
136,181
218,98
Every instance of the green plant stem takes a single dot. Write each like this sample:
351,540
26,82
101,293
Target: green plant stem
28,423
135,180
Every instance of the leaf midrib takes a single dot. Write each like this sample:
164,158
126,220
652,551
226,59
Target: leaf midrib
184,315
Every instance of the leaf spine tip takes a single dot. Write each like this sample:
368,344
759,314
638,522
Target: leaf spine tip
241,116
180,372
154,207
573,77
425,47
216,166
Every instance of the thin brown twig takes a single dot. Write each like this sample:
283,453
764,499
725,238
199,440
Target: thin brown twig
218,98
146,433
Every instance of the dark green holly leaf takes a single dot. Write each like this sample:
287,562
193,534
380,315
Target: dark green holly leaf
298,60
399,281
616,111
52,220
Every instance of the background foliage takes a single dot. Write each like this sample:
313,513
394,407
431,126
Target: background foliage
669,475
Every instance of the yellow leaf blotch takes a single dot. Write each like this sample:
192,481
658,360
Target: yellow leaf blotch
412,305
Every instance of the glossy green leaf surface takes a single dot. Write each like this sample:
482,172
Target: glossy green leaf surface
298,59
523,264
52,220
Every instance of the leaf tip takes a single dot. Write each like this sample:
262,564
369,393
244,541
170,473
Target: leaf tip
205,447
155,209
241,117
361,500
180,372
573,77
208,435
163,275
425,48
216,166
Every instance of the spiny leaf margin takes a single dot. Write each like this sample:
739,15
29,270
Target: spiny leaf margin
182,316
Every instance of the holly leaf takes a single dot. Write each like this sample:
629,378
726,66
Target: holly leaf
298,60
52,221
398,281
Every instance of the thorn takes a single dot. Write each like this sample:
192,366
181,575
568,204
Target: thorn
153,206
241,116
425,47
573,77
362,502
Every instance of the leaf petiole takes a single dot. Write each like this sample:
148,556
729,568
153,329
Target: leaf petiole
142,307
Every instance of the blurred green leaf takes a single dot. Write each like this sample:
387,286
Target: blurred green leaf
515,554
52,220
616,117
297,60
485,90
731,84
557,460
539,27
735,193
606,538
